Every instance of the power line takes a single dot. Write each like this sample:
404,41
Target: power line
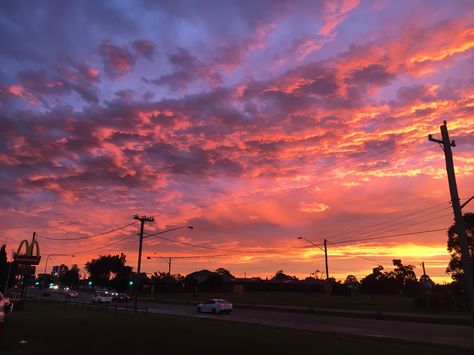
396,226
105,246
384,222
390,236
91,236
357,256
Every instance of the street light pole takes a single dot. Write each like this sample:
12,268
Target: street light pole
44,273
46,265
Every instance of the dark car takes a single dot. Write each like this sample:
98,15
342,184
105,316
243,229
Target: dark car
121,297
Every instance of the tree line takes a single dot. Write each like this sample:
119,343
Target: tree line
112,271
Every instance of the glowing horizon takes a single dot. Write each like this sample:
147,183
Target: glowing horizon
255,123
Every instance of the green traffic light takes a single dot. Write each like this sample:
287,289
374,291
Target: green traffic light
130,283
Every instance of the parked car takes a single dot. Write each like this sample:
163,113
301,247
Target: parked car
71,294
121,297
215,306
101,297
6,306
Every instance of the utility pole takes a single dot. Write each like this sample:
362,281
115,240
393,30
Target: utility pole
458,218
169,267
8,274
423,266
142,220
326,257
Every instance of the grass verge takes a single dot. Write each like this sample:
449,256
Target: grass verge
51,329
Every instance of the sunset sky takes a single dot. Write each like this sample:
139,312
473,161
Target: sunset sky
255,122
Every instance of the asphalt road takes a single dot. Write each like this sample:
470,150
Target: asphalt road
421,332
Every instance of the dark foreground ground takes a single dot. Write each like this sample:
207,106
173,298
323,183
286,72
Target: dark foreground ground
53,329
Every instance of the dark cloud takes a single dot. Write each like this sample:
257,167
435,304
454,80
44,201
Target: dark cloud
188,68
117,60
374,74
40,83
145,48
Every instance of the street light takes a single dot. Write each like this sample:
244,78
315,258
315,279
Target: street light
166,260
325,250
46,265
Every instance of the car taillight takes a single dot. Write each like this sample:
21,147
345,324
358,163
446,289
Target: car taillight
221,304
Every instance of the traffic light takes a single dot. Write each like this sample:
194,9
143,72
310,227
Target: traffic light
131,283
37,283
90,283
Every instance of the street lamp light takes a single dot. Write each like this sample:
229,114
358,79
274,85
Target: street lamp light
46,265
166,260
325,250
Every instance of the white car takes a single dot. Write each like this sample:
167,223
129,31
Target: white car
6,306
101,297
71,294
215,306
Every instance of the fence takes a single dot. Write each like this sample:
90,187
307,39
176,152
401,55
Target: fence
105,306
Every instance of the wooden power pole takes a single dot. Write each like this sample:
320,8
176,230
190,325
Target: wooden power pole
458,218
142,220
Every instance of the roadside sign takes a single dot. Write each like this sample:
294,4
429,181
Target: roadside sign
25,270
26,259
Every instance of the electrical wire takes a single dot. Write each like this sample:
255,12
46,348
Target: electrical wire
91,236
396,226
106,245
384,222
390,236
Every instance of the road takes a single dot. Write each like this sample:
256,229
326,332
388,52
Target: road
421,332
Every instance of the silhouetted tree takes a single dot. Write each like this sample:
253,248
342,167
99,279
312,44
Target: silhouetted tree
70,278
105,268
455,267
281,276
352,281
3,266
403,277
376,282
163,278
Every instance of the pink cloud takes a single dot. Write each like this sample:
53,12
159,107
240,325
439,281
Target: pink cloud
117,60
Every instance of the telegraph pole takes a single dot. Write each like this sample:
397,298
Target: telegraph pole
458,218
142,220
169,267
326,257
423,266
